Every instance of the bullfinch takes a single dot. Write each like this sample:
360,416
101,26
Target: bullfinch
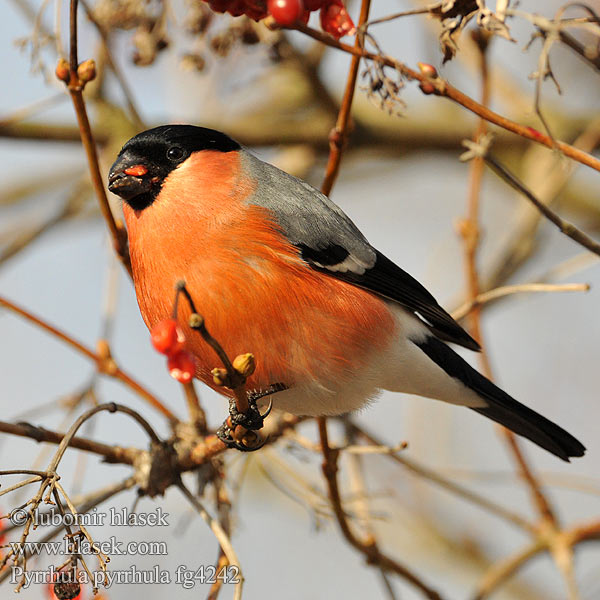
276,268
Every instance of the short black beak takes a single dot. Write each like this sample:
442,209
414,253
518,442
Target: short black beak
130,176
128,186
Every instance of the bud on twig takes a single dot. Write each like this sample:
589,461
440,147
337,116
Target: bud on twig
431,72
86,71
106,364
427,69
196,321
220,377
244,364
62,70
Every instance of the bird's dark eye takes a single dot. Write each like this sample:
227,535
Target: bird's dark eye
175,153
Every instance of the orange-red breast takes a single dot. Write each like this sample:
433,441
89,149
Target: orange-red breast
279,270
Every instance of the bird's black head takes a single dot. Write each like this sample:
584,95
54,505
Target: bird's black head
146,159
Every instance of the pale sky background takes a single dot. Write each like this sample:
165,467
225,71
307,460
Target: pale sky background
544,348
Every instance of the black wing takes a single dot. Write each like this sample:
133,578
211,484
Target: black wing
387,279
330,242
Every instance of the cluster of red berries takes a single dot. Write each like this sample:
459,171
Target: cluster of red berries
335,19
168,338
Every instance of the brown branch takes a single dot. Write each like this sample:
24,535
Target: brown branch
104,364
75,85
220,534
449,485
548,534
111,453
86,504
469,226
211,446
580,50
338,137
443,88
510,290
565,227
504,569
224,515
129,100
236,381
470,234
369,546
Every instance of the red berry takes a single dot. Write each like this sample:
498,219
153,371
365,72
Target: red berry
336,21
286,12
182,366
167,337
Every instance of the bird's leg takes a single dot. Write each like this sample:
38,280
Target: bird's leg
247,422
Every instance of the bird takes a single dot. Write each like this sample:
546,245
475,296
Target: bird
276,268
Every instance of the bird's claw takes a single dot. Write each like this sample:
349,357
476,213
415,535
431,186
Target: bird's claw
251,421
249,442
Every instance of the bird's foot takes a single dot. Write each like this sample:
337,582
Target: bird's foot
239,430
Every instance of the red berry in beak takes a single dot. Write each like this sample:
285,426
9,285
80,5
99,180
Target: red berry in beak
136,171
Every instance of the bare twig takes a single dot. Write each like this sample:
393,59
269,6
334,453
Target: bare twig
104,364
510,290
75,86
111,453
565,227
449,485
443,88
221,536
368,547
338,137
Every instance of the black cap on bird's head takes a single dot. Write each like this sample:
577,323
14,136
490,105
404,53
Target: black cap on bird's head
146,159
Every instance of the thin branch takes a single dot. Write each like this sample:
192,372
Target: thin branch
338,137
111,453
504,569
86,504
221,536
75,86
105,365
405,13
110,407
451,486
368,547
237,382
565,227
129,99
443,88
471,242
510,290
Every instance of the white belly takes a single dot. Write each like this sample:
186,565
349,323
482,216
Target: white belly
401,367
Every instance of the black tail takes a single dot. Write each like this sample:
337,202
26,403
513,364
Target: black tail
501,407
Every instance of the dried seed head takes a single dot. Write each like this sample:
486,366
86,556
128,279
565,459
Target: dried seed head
66,590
